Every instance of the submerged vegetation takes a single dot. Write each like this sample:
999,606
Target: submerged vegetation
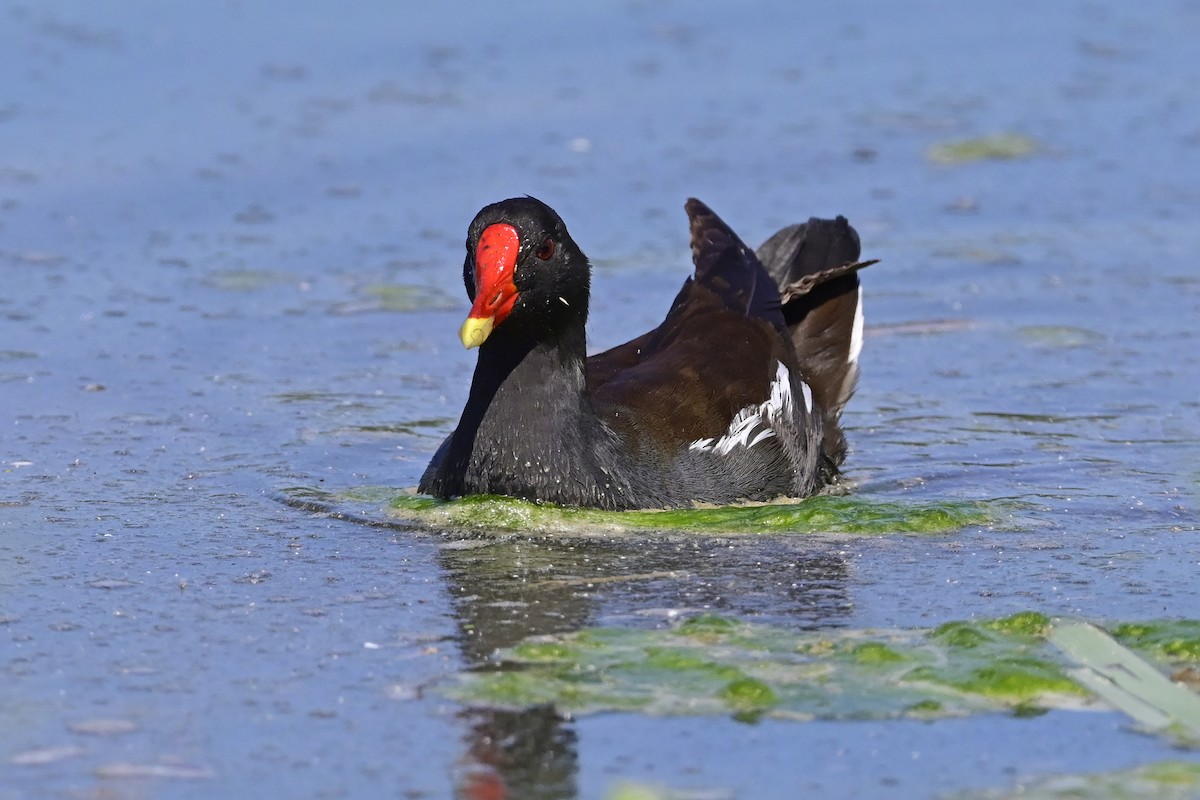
714,665
1163,780
1003,146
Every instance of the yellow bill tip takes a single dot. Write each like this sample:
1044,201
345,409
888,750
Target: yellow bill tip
475,331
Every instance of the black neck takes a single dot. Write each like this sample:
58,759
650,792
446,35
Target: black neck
514,371
528,428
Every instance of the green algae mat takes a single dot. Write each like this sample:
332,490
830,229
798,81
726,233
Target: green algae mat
822,514
998,146
490,514
1164,780
1024,664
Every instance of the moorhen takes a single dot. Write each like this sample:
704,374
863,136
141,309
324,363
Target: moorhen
735,396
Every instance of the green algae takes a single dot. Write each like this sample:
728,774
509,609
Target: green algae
1000,146
1027,623
537,652
715,665
821,514
707,623
628,790
746,693
963,635
399,298
1174,641
1170,780
250,280
876,653
1059,336
1013,680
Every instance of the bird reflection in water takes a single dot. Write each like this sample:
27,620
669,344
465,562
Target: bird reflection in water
505,591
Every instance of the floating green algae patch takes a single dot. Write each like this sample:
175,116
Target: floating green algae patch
400,298
1003,146
821,514
1164,780
1059,336
636,791
250,280
1177,640
715,665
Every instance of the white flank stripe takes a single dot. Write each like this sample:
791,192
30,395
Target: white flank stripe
752,424
762,437
740,430
807,396
856,333
780,401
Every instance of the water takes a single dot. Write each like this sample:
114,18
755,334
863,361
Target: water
232,237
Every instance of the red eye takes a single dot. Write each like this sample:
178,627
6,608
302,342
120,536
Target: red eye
546,251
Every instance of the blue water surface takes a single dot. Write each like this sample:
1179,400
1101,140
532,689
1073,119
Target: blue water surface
231,237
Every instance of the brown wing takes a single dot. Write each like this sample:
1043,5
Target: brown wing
714,354
686,379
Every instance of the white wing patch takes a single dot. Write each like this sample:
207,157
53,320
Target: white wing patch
856,333
755,424
780,401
